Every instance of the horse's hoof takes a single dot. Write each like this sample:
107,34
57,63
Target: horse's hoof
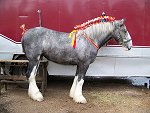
80,100
71,95
37,96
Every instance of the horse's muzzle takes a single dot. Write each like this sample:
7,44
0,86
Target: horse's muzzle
129,48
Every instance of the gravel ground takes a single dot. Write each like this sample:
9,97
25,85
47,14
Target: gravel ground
102,96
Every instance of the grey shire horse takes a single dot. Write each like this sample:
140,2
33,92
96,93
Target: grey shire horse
56,47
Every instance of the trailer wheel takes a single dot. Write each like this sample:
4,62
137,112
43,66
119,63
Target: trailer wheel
19,70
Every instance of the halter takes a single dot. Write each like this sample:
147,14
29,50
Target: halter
87,24
127,41
124,41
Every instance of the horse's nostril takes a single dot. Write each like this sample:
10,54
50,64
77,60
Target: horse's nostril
129,48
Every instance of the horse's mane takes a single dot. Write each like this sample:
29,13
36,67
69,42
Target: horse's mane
98,28
93,28
94,21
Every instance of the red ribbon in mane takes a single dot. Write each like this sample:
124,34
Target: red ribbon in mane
94,21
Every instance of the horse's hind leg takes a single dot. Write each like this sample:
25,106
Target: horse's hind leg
33,90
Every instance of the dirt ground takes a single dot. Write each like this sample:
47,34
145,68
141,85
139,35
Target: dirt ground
102,96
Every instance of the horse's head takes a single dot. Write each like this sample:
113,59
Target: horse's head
121,34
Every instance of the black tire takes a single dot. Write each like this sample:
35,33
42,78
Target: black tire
20,70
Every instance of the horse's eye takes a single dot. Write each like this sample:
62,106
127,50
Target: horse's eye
125,31
121,25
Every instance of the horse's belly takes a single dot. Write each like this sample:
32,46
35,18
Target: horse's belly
62,59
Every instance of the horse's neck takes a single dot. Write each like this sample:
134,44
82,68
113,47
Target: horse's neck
103,40
99,33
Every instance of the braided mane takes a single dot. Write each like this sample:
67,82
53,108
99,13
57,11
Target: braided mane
92,27
94,21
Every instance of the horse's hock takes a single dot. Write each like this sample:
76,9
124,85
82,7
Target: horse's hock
8,76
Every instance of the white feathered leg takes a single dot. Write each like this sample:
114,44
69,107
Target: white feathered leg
33,90
73,87
78,97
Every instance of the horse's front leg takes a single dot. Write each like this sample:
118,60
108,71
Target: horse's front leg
79,81
73,87
33,90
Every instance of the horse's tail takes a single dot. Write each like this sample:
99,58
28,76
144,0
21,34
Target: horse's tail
22,43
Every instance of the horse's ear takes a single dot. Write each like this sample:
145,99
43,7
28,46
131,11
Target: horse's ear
123,20
120,23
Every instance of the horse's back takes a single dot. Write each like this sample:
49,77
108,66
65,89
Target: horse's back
42,34
35,33
41,40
